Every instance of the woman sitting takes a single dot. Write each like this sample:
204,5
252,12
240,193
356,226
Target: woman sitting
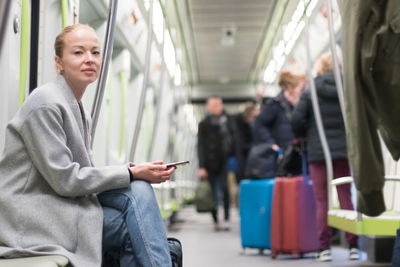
53,199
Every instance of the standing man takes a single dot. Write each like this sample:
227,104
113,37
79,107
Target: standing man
214,147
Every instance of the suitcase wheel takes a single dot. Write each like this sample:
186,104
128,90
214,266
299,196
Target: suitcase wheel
274,253
297,254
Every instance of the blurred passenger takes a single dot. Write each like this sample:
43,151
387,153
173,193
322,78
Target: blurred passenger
232,183
303,124
49,185
272,125
215,145
244,137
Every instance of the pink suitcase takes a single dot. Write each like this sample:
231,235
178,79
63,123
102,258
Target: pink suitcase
293,219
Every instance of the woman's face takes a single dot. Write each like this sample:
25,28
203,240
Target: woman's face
80,62
293,94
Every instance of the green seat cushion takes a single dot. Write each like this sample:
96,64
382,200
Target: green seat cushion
347,220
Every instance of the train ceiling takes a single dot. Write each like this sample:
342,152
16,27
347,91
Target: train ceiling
223,40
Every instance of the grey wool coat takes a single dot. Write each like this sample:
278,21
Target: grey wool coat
48,183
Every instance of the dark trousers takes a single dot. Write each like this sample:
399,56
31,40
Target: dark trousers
219,187
318,176
396,251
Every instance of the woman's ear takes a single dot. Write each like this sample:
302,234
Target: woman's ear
59,67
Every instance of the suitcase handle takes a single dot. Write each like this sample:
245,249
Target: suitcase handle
304,163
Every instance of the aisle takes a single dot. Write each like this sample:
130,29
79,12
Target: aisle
203,247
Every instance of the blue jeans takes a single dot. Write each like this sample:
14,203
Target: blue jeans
133,229
219,187
396,251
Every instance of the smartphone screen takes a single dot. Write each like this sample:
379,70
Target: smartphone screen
177,163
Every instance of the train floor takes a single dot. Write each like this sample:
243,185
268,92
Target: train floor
202,246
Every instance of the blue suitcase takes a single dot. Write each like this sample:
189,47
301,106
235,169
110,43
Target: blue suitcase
255,213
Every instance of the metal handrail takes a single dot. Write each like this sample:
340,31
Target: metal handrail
342,180
144,84
317,114
101,85
339,84
349,179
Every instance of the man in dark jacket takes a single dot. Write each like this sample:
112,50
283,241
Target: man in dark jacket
214,147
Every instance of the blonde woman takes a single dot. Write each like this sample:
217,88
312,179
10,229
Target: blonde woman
272,126
303,124
51,191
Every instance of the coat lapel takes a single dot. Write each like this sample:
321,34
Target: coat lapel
73,103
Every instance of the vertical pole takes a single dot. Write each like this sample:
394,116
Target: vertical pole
145,82
108,46
64,13
24,52
332,42
317,115
159,100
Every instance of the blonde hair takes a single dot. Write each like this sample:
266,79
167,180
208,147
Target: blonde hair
324,64
289,80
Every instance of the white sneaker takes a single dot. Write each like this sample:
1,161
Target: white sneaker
225,226
325,255
354,254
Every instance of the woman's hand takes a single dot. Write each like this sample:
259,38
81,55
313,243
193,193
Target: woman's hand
152,172
275,147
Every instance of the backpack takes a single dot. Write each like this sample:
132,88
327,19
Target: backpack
261,162
175,250
291,163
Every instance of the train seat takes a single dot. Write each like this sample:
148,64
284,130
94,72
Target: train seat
354,222
349,221
40,261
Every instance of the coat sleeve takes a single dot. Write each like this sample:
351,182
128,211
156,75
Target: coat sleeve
201,145
47,145
264,123
301,115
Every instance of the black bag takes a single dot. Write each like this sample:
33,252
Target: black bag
175,250
291,162
261,162
203,198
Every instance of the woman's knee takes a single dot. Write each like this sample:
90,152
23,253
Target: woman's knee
143,191
141,186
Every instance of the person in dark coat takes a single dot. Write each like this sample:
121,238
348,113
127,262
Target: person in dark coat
272,125
304,125
215,145
243,136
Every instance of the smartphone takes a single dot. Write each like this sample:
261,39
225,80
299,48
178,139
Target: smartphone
175,164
